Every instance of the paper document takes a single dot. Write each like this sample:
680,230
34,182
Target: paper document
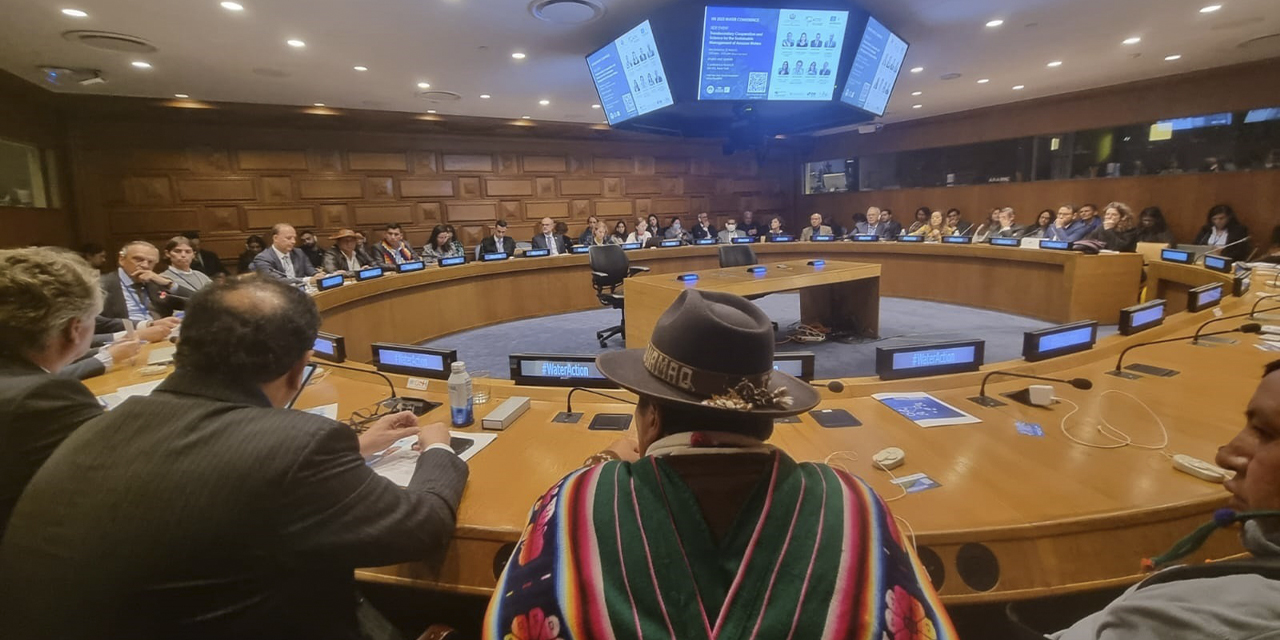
162,355
113,400
329,411
924,409
397,462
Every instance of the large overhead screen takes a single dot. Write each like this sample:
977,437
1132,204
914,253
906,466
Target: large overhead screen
875,69
770,54
629,75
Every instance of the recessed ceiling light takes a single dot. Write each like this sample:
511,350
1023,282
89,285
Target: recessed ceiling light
526,117
319,104
1176,56
917,93
424,85
74,13
917,106
917,70
431,110
1133,40
1211,8
233,6
1019,87
984,81
360,68
995,23
544,102
485,96
1055,63
518,56
296,43
181,95
140,64
595,106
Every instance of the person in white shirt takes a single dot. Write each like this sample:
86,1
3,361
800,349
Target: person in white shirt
180,253
641,234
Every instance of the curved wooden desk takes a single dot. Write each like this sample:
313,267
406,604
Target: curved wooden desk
1015,517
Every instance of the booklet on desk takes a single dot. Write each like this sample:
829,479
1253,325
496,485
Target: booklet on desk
924,409
397,462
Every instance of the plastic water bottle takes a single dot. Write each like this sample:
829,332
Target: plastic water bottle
460,399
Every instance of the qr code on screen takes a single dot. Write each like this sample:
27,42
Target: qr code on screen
757,81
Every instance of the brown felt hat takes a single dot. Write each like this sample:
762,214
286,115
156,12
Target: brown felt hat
343,233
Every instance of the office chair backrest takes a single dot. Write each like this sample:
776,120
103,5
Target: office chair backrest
736,255
611,261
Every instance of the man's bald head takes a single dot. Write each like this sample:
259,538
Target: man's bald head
284,237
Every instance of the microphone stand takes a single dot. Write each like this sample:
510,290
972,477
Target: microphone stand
1119,371
983,399
418,406
569,416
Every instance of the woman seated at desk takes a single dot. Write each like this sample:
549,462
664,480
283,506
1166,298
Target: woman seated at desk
641,234
1041,227
440,245
1119,229
619,235
179,253
599,236
1153,228
935,229
775,227
1224,233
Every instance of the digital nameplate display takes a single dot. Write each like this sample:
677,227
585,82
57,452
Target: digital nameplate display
413,361
866,237
1005,242
910,238
782,238
369,274
557,370
824,238
795,363
493,257
1240,287
1059,341
742,240
1219,264
1141,317
452,261
536,253
916,361
628,246
330,282
957,239
582,248
705,241
330,347
1201,298
1056,245
409,267
1178,256
674,242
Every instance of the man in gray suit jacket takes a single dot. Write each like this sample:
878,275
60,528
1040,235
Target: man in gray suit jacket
206,510
283,261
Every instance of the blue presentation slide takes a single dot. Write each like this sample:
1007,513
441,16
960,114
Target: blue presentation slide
629,76
770,54
875,69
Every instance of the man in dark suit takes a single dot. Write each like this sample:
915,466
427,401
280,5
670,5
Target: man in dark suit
549,239
499,242
207,510
704,228
283,260
48,301
345,256
205,261
889,228
1009,228
135,291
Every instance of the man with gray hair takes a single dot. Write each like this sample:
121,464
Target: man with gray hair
136,292
1008,227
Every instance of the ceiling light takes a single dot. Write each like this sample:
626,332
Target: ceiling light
1176,56
431,110
917,106
995,23
319,104
233,6
595,106
1211,8
518,56
141,65
1055,63
917,70
424,85
1133,40
296,43
917,93
74,13
485,96
360,68
544,102
181,95
526,117
1019,87
984,81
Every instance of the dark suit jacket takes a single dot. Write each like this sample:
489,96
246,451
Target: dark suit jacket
38,410
334,261
86,367
891,229
490,245
540,242
201,512
210,264
113,304
1234,234
699,233
268,264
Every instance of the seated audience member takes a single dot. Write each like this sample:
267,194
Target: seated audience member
1227,599
599,236
655,226
775,227
393,249
922,220
1008,227
1153,228
749,225
562,230
586,232
547,238
439,245
619,234
345,256
1119,229
936,228
676,231
207,510
720,506
283,261
1222,229
94,255
179,252
704,228
958,226
641,234
1044,222
889,228
253,245
453,237
729,232
1065,226
135,291
859,219
1087,216
362,241
815,228
48,302
307,243
500,242
836,228
871,226
204,261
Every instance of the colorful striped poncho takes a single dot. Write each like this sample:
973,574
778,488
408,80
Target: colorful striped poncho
620,550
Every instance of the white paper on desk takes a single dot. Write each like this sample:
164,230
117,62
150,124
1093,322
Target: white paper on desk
329,411
397,462
113,400
924,409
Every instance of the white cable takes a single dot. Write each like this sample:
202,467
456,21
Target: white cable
1109,431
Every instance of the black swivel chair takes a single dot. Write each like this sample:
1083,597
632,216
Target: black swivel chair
736,255
609,268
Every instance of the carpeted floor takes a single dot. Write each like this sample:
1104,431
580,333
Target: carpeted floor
902,322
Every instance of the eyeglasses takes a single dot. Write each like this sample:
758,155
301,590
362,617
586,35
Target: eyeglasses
361,418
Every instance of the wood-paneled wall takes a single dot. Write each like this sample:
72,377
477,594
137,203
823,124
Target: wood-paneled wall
29,115
151,181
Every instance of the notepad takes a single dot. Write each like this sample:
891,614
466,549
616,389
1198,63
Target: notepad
398,461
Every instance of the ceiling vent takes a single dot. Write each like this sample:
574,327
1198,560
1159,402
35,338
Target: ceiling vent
108,41
571,12
439,96
950,76
67,76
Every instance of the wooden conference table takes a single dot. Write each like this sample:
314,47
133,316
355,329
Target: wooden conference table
1015,516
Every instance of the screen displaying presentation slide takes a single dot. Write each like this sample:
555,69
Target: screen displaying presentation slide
629,76
875,69
770,54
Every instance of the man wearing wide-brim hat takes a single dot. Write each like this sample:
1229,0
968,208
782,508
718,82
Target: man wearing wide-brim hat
712,533
345,256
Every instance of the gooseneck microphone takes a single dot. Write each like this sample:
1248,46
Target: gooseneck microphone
834,386
1250,327
1196,338
373,372
568,416
1084,384
1254,311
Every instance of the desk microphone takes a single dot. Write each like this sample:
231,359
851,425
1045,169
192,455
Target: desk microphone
1196,338
395,403
834,386
1254,311
1230,244
568,416
1251,327
1084,384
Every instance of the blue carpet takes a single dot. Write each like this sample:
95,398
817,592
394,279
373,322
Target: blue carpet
902,322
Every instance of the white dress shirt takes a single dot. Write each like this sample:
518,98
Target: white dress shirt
286,261
551,243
